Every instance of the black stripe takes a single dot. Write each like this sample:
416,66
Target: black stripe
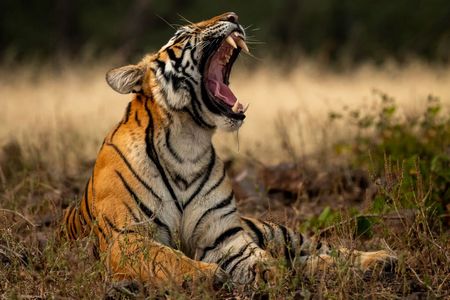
70,222
170,148
238,262
133,215
147,211
183,69
289,252
162,65
114,132
86,201
205,179
136,118
102,232
230,259
76,217
167,78
127,163
187,184
197,176
188,77
196,43
217,183
151,153
127,113
92,182
115,228
228,213
222,204
198,157
300,240
179,179
175,80
272,234
196,105
172,55
221,238
259,235
197,120
144,208
178,39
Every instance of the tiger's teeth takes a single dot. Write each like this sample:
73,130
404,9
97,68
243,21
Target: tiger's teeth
235,107
230,41
245,108
243,45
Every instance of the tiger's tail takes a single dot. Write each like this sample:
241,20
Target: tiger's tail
78,219
75,226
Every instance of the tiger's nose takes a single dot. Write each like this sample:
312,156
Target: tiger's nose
231,17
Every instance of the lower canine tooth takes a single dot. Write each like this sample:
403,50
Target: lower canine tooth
235,107
243,45
245,108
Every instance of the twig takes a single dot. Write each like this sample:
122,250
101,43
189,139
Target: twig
423,283
20,215
385,217
4,250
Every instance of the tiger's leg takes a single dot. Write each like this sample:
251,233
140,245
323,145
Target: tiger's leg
315,255
133,256
364,261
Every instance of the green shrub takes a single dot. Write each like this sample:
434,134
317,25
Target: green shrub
408,154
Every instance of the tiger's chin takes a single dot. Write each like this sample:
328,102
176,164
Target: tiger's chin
229,111
228,124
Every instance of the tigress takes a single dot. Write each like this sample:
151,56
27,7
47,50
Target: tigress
159,200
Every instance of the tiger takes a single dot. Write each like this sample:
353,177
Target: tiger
159,201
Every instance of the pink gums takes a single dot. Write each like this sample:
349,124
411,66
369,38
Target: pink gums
215,80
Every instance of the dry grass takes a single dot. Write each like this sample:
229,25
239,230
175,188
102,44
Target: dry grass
77,96
52,123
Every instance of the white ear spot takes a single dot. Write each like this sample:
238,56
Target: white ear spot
137,88
125,79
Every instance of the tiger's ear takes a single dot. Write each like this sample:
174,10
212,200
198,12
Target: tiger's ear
125,79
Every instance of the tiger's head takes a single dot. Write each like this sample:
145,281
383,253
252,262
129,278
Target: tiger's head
190,74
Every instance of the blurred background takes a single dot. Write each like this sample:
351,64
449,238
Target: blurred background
309,58
331,31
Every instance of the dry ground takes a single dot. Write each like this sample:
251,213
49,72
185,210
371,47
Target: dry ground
53,121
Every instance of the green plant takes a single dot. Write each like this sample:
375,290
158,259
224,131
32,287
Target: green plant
404,152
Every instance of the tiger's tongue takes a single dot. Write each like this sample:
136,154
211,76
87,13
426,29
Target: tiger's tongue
215,83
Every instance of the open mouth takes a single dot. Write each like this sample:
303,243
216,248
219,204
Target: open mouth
217,75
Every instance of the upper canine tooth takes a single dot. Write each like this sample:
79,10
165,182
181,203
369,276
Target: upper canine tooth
230,41
237,34
243,45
